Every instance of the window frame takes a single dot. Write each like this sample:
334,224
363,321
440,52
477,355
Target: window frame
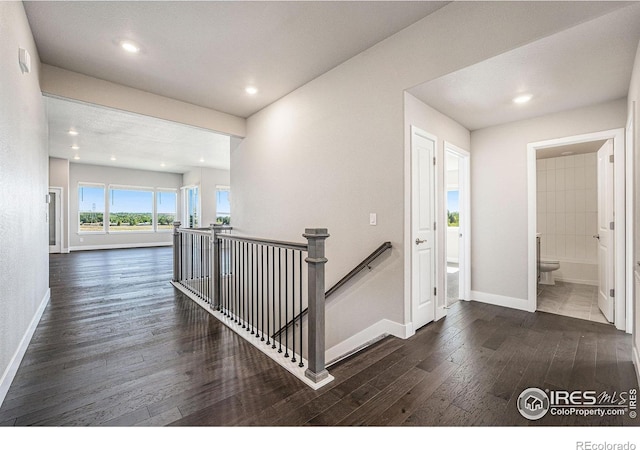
185,202
82,184
121,187
155,206
223,188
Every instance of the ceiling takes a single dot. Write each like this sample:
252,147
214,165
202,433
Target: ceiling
584,65
133,140
575,149
206,53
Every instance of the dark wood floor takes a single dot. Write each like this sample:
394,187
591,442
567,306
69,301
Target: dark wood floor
118,345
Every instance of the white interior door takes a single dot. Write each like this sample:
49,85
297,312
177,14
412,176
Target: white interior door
604,235
55,225
423,234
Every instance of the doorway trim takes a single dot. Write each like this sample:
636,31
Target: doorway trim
464,168
620,189
59,211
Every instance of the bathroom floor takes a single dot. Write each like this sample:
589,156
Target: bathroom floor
571,299
453,288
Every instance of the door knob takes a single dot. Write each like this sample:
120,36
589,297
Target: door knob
420,241
596,236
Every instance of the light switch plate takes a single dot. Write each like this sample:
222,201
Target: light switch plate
373,219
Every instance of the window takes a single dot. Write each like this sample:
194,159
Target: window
453,208
90,208
223,205
192,207
166,209
130,210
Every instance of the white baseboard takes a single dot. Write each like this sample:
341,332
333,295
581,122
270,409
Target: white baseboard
116,246
369,335
500,300
577,281
11,370
636,361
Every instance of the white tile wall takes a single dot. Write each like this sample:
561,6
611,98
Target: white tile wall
567,206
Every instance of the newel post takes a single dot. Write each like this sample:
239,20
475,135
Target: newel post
214,268
316,330
177,251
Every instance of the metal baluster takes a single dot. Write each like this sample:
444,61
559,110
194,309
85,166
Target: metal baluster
273,292
262,293
234,251
286,302
258,288
300,309
267,291
293,302
244,283
246,286
227,259
280,299
227,272
251,283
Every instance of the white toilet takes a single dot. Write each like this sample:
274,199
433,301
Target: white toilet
547,267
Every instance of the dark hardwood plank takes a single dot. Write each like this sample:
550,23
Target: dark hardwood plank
119,346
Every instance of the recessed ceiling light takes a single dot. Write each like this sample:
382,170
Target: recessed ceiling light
567,153
129,47
76,157
75,147
201,159
251,90
73,132
162,164
522,99
113,158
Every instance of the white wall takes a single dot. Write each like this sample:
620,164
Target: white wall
86,173
59,177
499,215
24,261
207,179
633,102
446,130
331,152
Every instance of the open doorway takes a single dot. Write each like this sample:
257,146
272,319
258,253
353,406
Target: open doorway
577,235
457,243
55,219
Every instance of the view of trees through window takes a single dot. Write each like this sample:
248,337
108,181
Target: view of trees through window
91,208
223,206
192,210
453,208
166,207
129,209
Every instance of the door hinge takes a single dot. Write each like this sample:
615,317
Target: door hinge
434,160
612,292
612,225
435,291
434,226
610,158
